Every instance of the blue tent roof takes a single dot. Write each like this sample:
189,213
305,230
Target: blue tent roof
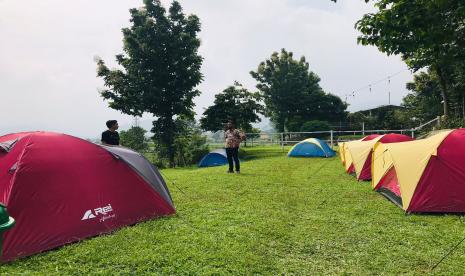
311,147
214,158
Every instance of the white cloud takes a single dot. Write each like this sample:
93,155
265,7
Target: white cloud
47,72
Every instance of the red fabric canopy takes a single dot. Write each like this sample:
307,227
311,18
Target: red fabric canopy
386,139
62,189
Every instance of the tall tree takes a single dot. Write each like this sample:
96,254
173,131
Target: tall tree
423,103
160,69
235,103
134,138
191,144
427,33
292,93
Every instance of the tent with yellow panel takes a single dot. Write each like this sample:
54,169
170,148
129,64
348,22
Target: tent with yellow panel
361,153
425,175
346,156
311,147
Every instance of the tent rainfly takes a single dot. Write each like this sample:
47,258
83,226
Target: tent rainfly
311,147
61,189
361,153
425,175
214,158
346,158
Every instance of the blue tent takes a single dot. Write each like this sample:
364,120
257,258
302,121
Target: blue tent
311,147
214,158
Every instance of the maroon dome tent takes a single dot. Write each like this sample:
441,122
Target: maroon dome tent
370,137
385,139
61,189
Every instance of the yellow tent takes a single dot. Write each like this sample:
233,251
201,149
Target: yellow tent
346,156
341,151
360,153
397,168
357,154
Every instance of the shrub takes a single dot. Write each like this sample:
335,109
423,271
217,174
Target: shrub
134,138
315,125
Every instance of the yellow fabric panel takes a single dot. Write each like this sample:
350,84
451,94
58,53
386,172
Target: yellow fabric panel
347,155
341,151
381,162
360,152
410,160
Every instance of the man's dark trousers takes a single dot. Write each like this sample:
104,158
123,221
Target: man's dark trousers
233,154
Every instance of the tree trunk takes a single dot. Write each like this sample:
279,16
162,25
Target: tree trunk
170,147
444,90
166,130
280,125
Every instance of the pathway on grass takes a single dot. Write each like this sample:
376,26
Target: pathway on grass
281,215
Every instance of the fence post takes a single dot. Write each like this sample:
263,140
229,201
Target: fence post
282,141
332,136
413,134
363,128
439,121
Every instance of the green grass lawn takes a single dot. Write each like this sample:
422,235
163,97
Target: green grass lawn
280,216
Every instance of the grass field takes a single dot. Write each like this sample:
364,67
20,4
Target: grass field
280,216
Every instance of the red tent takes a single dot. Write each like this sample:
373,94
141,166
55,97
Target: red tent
370,137
351,169
426,175
62,189
385,139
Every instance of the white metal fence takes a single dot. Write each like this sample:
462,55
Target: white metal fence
332,137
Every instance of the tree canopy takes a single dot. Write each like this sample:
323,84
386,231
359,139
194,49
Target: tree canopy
425,33
235,103
292,93
160,68
135,139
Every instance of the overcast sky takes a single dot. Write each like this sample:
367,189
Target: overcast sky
48,76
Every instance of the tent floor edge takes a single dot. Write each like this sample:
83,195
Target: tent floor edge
391,196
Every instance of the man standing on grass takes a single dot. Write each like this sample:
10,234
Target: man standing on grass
233,139
110,137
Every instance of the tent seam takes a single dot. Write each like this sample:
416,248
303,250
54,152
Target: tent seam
18,161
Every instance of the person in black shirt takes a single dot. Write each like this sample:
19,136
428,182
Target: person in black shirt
110,137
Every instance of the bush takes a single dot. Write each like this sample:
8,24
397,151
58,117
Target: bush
189,145
350,137
134,138
453,123
190,148
315,125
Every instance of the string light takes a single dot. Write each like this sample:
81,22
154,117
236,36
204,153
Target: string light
371,85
